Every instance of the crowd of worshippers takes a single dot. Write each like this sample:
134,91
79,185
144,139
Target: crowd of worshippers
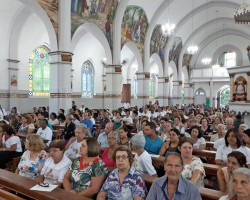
103,155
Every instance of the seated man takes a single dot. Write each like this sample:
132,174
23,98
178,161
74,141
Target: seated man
103,137
45,132
153,142
87,121
173,185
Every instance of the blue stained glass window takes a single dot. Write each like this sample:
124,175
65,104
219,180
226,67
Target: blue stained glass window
87,79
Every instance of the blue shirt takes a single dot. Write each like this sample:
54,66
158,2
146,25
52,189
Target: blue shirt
185,190
153,146
88,123
132,185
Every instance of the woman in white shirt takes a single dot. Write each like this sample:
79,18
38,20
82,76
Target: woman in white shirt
10,145
197,139
233,142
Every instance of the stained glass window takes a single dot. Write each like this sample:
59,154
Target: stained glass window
87,79
230,59
225,97
152,87
39,72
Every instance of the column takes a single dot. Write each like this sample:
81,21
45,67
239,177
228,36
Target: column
211,83
187,93
166,91
231,86
112,95
248,86
143,79
13,82
61,62
176,92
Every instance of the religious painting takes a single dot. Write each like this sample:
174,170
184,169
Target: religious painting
240,89
13,80
51,8
99,12
134,27
158,42
174,52
186,60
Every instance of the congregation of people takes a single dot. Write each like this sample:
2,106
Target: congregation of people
101,154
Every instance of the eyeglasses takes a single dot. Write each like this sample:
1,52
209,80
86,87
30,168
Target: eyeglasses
122,157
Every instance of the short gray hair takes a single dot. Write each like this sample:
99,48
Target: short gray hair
245,126
138,141
84,129
222,125
243,171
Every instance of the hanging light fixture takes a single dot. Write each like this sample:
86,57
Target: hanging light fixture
192,49
168,28
216,66
206,60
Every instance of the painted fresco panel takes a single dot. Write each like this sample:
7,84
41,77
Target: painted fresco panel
51,8
175,51
99,12
134,27
158,42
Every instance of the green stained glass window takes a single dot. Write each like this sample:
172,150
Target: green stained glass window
87,79
225,97
39,72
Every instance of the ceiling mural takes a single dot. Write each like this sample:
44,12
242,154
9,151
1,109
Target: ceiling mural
99,12
51,8
174,52
134,27
158,42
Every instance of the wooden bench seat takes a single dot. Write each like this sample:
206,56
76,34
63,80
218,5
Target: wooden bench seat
204,153
22,185
8,196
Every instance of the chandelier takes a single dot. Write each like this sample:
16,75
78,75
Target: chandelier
242,14
192,49
206,61
168,29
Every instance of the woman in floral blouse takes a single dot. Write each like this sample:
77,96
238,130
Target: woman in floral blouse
87,172
33,158
193,166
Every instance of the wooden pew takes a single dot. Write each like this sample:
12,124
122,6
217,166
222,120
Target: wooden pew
22,185
204,153
207,137
8,196
209,194
57,127
209,144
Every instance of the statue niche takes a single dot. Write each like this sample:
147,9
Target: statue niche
240,89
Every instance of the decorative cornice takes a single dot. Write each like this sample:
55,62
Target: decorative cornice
13,61
60,95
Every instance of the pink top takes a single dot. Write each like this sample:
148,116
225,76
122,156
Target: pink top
108,161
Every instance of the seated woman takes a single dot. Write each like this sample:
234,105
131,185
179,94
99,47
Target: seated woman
142,159
205,128
246,137
10,145
118,122
193,166
107,155
56,166
124,182
172,145
73,146
197,139
27,126
69,128
240,189
235,160
233,142
33,158
125,135
87,173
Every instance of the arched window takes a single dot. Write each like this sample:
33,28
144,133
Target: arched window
135,86
200,92
230,59
152,86
87,79
39,72
225,97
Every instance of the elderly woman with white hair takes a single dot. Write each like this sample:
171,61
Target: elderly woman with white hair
242,128
240,186
142,159
218,138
